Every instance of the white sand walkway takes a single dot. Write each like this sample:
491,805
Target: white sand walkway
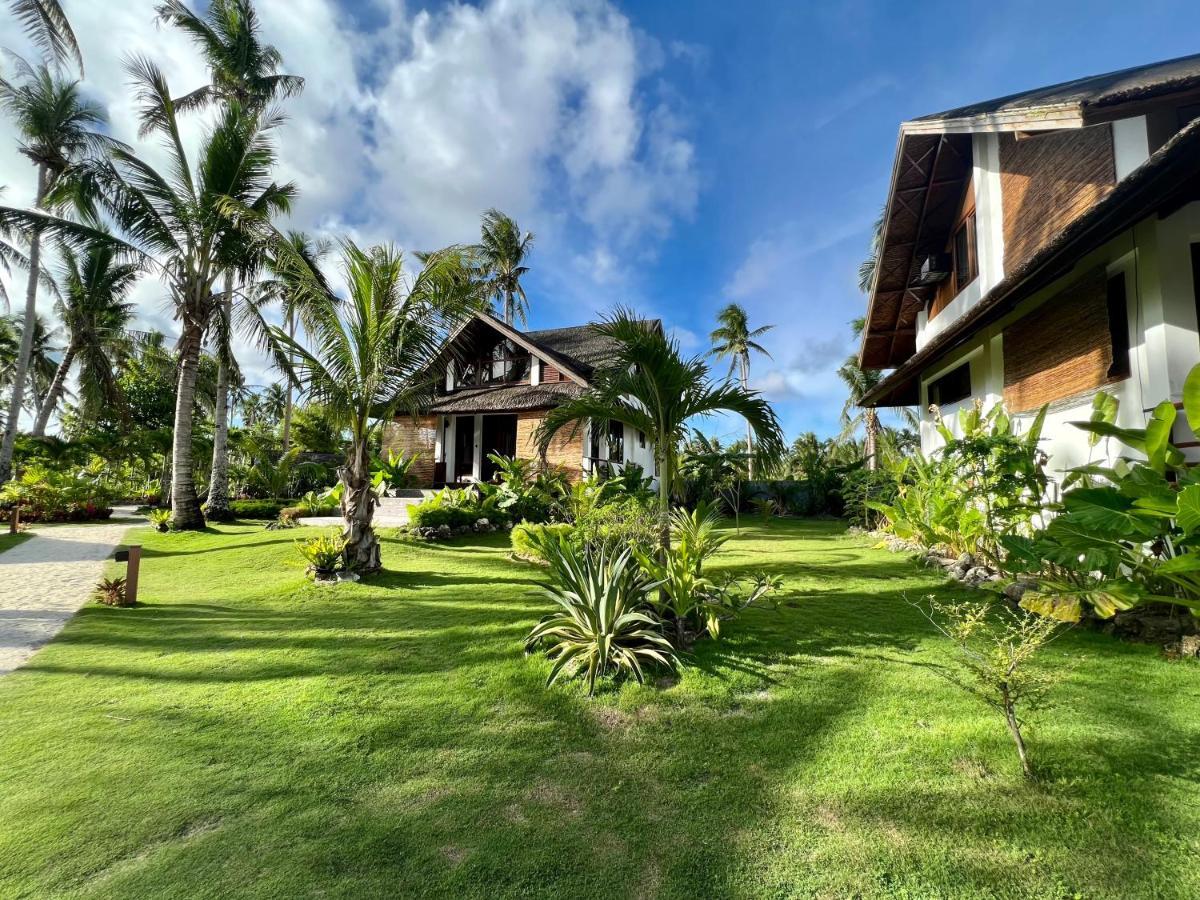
44,580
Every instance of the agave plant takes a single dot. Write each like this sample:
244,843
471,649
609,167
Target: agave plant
603,623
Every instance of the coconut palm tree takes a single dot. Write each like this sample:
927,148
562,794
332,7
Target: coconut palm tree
95,312
57,132
733,340
859,382
649,386
44,348
186,221
866,269
304,254
502,252
47,26
244,71
371,357
274,403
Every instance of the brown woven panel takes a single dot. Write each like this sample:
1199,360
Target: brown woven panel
409,436
550,374
1048,181
565,450
1061,348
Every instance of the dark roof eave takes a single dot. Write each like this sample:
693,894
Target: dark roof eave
1130,201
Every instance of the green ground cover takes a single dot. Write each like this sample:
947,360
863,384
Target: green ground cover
246,733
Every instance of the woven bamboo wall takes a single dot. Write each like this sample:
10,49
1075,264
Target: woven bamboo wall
410,436
1047,181
565,451
1061,348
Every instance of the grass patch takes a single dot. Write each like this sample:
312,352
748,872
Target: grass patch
8,541
248,733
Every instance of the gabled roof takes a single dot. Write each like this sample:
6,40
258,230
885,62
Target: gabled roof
1070,103
582,347
1160,185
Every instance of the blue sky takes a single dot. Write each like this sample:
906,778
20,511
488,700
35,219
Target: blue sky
670,156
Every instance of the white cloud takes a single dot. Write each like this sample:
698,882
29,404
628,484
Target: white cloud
409,129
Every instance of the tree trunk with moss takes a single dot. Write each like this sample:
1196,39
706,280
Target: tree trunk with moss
55,391
358,509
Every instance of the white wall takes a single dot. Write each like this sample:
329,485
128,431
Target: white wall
1156,259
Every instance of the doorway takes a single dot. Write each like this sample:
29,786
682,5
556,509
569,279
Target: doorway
499,437
464,447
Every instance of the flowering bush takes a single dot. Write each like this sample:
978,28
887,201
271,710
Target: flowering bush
45,495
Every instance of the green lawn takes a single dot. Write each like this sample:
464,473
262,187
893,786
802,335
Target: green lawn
248,734
7,541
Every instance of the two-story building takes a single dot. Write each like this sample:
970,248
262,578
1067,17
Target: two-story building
1040,247
496,384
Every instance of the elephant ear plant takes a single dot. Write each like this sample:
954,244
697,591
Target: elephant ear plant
1125,534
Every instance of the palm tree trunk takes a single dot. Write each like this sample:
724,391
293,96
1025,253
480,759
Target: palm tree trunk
164,482
56,389
287,408
869,449
22,373
358,508
185,505
749,436
217,507
508,307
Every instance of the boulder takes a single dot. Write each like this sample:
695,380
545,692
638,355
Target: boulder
1017,589
1189,645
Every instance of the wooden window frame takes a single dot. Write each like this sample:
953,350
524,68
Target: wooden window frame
1116,294
933,389
968,224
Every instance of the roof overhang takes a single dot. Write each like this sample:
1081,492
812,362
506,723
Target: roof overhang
1167,180
517,338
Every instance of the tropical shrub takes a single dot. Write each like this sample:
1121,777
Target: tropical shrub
112,592
1124,535
529,539
47,495
765,508
617,525
324,553
160,519
602,623
978,487
257,509
458,508
996,650
862,486
394,471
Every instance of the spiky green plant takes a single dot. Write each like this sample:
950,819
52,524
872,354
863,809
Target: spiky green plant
603,623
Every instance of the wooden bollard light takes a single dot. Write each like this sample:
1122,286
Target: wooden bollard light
132,557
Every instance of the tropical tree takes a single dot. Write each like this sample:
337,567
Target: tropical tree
48,27
649,386
95,312
273,403
733,340
57,132
245,72
372,356
859,382
187,221
866,269
43,352
502,252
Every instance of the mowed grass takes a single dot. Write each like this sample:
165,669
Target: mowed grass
248,734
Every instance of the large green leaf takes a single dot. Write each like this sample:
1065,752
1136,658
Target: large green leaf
1188,516
1179,565
1191,398
1064,607
1104,410
1134,438
1108,514
1158,435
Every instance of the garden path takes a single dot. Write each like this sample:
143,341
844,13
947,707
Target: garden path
46,579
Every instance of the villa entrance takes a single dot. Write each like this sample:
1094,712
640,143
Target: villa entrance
499,437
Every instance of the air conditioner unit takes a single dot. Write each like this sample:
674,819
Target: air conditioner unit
934,269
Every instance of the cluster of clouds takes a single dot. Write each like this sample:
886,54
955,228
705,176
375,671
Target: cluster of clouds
413,123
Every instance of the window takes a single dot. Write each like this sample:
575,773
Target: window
1118,326
641,439
966,266
616,442
955,385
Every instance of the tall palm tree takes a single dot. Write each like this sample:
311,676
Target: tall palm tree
48,27
95,311
371,357
274,403
57,131
733,340
859,382
649,386
502,252
44,348
182,221
244,71
866,269
303,253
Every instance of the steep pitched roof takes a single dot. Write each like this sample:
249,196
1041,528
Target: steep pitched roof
583,347
1165,181
1082,95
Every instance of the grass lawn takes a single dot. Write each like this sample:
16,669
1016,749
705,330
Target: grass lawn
8,541
246,733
